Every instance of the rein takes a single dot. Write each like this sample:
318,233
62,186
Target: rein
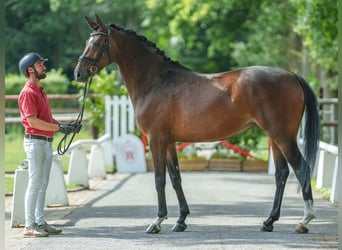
64,144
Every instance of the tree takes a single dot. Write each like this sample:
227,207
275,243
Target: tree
199,33
57,28
317,23
219,35
270,39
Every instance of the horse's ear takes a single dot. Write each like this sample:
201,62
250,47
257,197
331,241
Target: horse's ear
100,23
92,24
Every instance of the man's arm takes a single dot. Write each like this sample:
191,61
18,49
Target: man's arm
37,123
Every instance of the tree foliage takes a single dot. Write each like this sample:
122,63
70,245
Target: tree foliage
207,36
220,35
317,23
200,33
57,28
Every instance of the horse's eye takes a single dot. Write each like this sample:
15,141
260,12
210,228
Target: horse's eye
96,44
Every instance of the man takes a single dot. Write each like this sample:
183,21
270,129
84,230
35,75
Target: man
40,127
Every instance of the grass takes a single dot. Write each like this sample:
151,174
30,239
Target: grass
9,181
325,191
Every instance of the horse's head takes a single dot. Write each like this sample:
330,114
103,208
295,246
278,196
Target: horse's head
96,54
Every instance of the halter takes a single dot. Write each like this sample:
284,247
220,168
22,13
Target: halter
94,63
64,145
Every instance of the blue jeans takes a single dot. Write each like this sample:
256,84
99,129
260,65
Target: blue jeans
39,156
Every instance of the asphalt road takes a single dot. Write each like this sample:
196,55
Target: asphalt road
227,209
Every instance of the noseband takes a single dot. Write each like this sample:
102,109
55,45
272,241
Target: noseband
94,63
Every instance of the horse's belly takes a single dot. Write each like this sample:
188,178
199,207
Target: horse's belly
210,128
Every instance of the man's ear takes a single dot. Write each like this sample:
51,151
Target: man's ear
30,70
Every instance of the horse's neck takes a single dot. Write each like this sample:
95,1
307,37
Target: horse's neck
139,66
137,85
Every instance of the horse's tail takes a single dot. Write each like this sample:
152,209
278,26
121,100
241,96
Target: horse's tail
312,124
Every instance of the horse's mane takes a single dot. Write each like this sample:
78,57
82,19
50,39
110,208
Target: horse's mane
144,40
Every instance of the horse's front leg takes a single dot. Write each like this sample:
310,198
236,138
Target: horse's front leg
159,160
282,172
174,172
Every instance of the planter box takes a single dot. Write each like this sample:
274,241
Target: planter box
185,164
218,165
225,165
193,164
254,166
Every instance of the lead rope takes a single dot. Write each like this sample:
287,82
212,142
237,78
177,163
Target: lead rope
64,144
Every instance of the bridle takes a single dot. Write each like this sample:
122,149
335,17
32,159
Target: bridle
94,63
64,145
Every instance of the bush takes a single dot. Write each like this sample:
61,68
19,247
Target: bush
249,140
54,83
14,83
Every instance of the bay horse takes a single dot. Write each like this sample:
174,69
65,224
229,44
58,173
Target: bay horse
174,103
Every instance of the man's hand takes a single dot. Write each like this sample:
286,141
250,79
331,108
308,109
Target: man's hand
66,128
77,126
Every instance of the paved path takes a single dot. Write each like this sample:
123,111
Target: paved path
227,209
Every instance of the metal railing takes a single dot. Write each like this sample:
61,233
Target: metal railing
328,112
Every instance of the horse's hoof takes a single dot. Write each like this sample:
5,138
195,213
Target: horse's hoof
179,227
266,228
153,229
301,229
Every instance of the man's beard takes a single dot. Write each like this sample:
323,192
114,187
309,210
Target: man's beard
39,76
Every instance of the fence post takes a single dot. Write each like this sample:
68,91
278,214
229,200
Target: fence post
109,115
116,118
18,203
77,171
106,145
335,185
56,193
325,169
97,166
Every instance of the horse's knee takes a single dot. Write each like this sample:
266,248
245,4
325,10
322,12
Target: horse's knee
282,173
160,182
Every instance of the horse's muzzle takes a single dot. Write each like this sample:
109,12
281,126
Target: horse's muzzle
80,75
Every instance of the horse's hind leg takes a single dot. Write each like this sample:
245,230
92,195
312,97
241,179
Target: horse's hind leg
174,172
303,174
282,172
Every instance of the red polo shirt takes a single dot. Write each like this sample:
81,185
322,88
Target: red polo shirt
33,101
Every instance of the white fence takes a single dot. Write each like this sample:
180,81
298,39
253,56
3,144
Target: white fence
327,169
119,118
328,112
